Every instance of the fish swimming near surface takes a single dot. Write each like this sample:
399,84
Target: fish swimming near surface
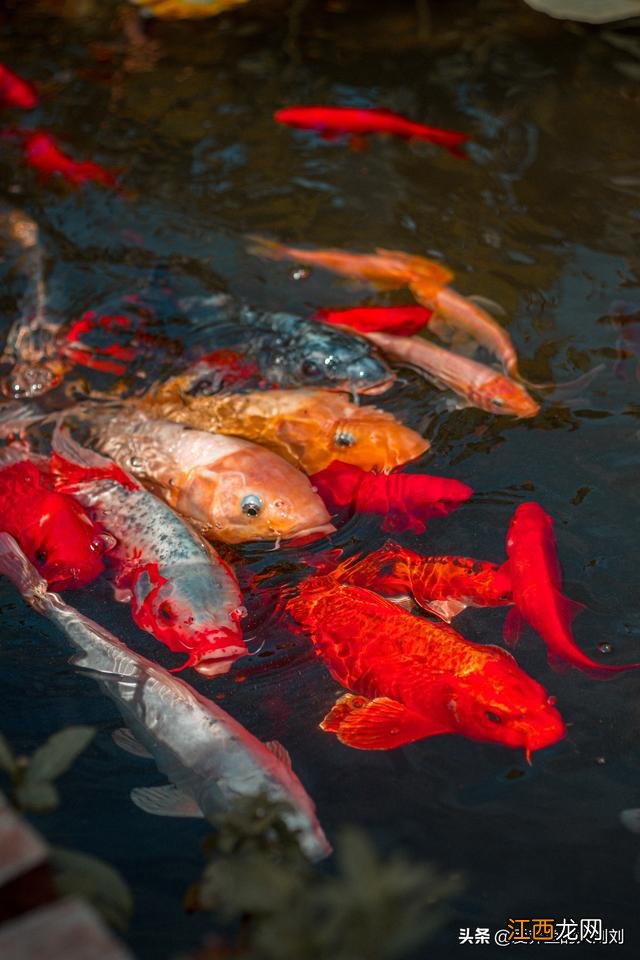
404,321
362,121
186,9
16,92
42,152
405,500
536,583
210,759
235,491
309,428
181,591
481,386
53,529
411,678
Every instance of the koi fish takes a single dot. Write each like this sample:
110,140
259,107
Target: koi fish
41,151
332,121
403,321
444,586
411,678
181,591
233,490
480,385
309,428
186,9
536,580
210,759
16,92
405,500
52,528
454,317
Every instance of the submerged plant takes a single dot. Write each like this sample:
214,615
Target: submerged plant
281,908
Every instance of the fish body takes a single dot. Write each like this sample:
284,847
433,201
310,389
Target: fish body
187,9
413,678
16,92
363,121
210,759
53,529
309,428
536,579
404,321
480,385
182,592
406,500
234,490
43,154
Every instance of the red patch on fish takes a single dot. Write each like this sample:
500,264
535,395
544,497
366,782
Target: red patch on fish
41,151
536,578
16,92
403,321
53,529
406,500
99,357
358,122
67,475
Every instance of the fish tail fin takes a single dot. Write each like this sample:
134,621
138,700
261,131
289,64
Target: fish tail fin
24,576
73,463
263,247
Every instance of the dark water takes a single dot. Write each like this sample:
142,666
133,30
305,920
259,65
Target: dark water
545,218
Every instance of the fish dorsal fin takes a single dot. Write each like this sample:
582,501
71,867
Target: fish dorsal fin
124,739
379,724
444,609
513,626
165,801
74,463
280,752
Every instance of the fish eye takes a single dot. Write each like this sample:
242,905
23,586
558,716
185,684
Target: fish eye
490,715
497,401
311,369
166,611
344,439
251,505
41,556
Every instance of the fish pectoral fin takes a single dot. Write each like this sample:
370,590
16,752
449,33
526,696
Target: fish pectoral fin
126,740
444,609
280,752
569,609
166,801
379,724
513,625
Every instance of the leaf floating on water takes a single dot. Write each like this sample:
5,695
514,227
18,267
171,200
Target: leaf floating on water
88,877
587,11
55,756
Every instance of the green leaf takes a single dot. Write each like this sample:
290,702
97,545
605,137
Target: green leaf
55,756
96,881
36,797
7,759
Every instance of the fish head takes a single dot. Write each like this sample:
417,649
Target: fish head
211,641
504,396
253,494
500,703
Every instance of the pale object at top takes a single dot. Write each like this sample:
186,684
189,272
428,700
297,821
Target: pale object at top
588,11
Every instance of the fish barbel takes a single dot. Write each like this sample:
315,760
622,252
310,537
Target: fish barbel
210,759
309,428
234,490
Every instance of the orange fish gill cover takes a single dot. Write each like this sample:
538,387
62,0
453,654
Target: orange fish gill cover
413,678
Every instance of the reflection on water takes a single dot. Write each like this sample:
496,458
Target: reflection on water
542,218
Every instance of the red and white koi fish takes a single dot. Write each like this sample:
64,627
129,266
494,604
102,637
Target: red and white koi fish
362,121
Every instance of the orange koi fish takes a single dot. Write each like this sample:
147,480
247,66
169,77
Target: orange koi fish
443,585
406,500
187,9
536,580
411,678
16,92
480,385
309,428
359,122
403,321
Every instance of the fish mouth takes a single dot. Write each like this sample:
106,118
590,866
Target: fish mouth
218,662
381,387
300,538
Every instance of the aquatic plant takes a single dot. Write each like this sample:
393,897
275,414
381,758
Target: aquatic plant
278,907
32,790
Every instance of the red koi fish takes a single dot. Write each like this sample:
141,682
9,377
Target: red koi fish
413,678
403,321
406,500
52,528
443,585
42,152
16,92
359,122
536,582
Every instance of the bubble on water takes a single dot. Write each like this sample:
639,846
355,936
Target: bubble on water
601,761
605,647
300,273
136,463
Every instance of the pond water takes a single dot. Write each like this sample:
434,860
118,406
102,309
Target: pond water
544,218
